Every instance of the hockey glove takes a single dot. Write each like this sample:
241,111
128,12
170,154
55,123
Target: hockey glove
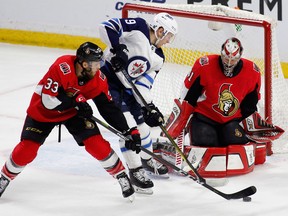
120,58
84,109
178,118
154,117
133,141
258,130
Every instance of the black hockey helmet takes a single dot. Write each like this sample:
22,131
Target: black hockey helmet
89,52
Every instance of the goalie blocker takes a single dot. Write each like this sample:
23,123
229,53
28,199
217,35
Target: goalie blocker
220,161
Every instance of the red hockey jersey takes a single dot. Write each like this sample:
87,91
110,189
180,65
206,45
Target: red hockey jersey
219,97
62,74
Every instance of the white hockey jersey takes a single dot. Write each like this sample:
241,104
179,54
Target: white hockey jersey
145,60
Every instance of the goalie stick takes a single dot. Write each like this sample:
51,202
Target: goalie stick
237,195
198,176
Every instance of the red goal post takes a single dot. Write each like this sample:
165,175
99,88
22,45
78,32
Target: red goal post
263,51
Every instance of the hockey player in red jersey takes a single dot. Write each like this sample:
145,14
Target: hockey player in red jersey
220,91
60,98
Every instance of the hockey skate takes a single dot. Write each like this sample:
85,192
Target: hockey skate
141,183
155,168
126,187
4,182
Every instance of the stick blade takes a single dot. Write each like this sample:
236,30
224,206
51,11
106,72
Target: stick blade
243,193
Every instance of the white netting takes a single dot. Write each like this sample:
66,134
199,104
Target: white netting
196,39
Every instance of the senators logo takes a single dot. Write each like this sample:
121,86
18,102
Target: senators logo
228,104
89,124
238,133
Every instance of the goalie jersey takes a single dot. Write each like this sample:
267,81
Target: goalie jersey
145,60
222,98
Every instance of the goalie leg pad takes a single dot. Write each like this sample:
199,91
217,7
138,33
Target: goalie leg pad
241,159
209,162
260,154
178,118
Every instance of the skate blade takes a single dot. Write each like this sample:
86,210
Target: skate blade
156,175
147,191
131,198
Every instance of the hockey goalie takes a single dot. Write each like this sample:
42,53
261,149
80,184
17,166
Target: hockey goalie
218,112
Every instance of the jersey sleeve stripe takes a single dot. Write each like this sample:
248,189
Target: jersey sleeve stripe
142,84
150,79
114,24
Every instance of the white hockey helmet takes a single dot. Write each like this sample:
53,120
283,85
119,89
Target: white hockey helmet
231,53
167,22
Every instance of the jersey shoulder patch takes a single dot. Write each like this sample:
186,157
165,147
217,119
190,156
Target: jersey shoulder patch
204,60
65,68
102,75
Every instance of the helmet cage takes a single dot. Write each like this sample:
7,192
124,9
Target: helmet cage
231,53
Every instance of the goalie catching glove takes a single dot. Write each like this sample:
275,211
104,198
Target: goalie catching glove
258,130
133,141
152,117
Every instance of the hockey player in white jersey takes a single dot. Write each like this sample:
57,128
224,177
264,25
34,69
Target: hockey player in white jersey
135,46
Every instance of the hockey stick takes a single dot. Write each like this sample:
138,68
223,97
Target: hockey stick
237,195
199,177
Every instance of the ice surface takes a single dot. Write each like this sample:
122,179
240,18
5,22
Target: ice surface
65,180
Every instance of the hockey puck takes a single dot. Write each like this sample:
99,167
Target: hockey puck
247,199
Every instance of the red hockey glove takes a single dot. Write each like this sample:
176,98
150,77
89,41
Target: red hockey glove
258,129
134,140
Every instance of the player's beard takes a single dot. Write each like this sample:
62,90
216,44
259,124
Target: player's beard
86,75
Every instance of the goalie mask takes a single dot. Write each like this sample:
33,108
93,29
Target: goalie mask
168,23
231,53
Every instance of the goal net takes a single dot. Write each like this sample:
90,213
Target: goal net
202,30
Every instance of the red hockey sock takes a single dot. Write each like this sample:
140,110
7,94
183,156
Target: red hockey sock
97,146
25,152
100,149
